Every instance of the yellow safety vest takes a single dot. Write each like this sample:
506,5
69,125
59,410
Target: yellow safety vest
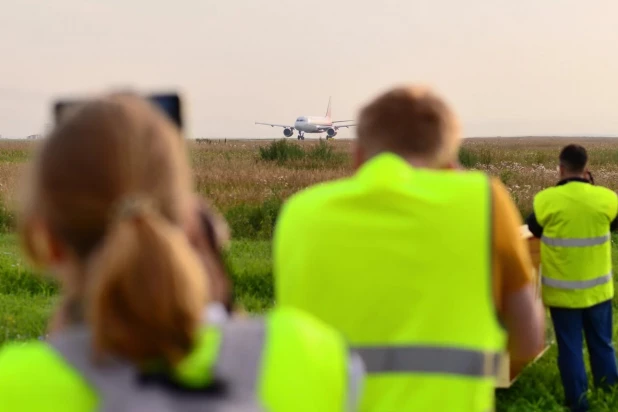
399,260
576,264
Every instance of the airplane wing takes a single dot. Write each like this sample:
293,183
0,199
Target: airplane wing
345,125
341,121
276,125
325,128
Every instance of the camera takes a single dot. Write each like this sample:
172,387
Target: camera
169,103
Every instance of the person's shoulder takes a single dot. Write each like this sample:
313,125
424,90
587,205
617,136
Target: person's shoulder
468,177
290,316
16,355
310,340
308,200
545,193
497,186
500,194
608,199
32,371
322,191
301,323
306,352
605,191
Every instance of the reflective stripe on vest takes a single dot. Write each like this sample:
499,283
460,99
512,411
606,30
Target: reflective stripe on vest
576,284
429,359
575,242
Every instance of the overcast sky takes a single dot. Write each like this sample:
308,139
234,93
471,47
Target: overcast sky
508,67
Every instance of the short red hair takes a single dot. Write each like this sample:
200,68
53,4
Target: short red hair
410,121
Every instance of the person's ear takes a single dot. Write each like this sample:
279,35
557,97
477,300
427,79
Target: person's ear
58,254
191,223
48,248
454,165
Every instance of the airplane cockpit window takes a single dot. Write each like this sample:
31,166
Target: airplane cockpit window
300,119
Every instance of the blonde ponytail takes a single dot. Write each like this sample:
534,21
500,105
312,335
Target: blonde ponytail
146,289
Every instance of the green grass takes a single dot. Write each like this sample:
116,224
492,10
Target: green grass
249,263
23,316
255,222
14,156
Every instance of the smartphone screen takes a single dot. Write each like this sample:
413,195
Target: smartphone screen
169,103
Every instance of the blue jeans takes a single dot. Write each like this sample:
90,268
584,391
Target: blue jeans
596,324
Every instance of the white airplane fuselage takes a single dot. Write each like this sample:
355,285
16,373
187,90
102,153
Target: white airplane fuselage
312,124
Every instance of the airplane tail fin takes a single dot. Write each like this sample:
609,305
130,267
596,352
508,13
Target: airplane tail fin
328,109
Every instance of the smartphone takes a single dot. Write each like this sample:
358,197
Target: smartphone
170,104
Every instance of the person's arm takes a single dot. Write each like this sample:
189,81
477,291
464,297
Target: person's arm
34,378
533,226
521,312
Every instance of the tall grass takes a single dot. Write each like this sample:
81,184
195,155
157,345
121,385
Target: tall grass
254,221
285,153
281,151
246,179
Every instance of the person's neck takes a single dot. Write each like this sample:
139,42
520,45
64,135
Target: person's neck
429,164
419,163
573,176
414,161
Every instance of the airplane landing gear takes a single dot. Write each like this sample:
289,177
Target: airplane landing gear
301,136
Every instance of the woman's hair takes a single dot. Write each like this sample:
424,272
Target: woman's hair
112,185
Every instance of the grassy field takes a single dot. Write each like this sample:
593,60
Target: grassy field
248,181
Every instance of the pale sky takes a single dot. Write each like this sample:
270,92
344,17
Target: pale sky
508,67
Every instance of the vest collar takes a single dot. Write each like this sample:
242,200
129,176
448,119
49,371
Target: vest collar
390,169
572,179
385,168
197,367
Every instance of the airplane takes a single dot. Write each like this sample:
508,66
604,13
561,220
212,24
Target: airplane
312,124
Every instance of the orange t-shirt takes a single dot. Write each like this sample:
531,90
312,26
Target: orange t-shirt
512,264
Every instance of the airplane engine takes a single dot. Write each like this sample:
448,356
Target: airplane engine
331,132
287,132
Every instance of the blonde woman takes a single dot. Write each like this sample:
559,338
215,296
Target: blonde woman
109,210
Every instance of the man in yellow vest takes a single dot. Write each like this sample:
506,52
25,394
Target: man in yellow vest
421,266
573,220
